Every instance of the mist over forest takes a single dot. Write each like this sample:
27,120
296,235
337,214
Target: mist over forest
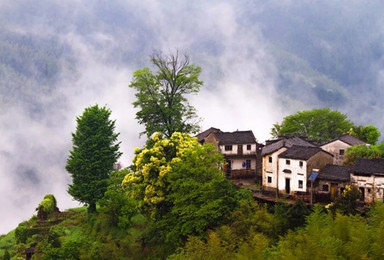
261,61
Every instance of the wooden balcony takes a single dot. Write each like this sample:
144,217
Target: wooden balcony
242,174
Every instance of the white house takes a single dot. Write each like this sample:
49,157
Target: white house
368,175
270,159
239,149
338,146
295,166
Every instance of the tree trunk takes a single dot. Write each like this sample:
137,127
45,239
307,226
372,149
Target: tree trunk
92,208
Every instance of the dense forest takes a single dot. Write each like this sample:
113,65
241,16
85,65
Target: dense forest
249,230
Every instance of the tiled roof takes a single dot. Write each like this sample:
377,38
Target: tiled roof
335,173
238,137
285,142
301,152
202,135
351,140
348,139
368,167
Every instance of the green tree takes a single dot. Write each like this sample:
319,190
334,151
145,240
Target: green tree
180,187
296,214
369,133
7,255
161,95
118,207
93,155
362,151
320,125
346,203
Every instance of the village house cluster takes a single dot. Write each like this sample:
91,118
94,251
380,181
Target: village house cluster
297,168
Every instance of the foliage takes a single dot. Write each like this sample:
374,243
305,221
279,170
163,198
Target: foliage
6,243
369,133
247,236
325,237
161,96
118,207
320,125
23,232
180,187
296,214
93,154
214,248
47,206
362,151
148,184
346,203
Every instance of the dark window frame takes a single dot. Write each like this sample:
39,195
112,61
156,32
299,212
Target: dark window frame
300,184
288,162
248,164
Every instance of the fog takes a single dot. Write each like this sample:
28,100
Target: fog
102,43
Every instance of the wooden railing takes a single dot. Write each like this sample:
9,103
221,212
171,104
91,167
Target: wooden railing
243,174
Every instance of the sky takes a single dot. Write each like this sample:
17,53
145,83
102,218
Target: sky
108,41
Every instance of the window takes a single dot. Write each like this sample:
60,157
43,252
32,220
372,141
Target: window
269,179
301,163
325,187
248,162
249,147
228,148
270,159
300,184
288,162
341,152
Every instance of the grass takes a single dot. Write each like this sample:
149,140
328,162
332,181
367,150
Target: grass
76,229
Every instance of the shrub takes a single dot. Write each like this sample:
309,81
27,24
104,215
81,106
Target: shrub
47,206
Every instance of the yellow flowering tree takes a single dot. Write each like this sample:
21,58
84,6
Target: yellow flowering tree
179,184
153,163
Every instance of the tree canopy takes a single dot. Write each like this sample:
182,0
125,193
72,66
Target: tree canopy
319,125
161,95
180,186
93,155
369,133
363,151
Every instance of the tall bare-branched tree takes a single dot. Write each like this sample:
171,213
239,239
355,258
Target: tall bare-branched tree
162,95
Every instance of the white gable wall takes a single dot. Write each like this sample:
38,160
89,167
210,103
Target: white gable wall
371,185
298,174
270,169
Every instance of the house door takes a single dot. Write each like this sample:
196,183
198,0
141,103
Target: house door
287,185
362,198
240,149
333,192
229,167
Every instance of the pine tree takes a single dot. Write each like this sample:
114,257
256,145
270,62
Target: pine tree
93,155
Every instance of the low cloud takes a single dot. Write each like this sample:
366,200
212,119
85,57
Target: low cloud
107,42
